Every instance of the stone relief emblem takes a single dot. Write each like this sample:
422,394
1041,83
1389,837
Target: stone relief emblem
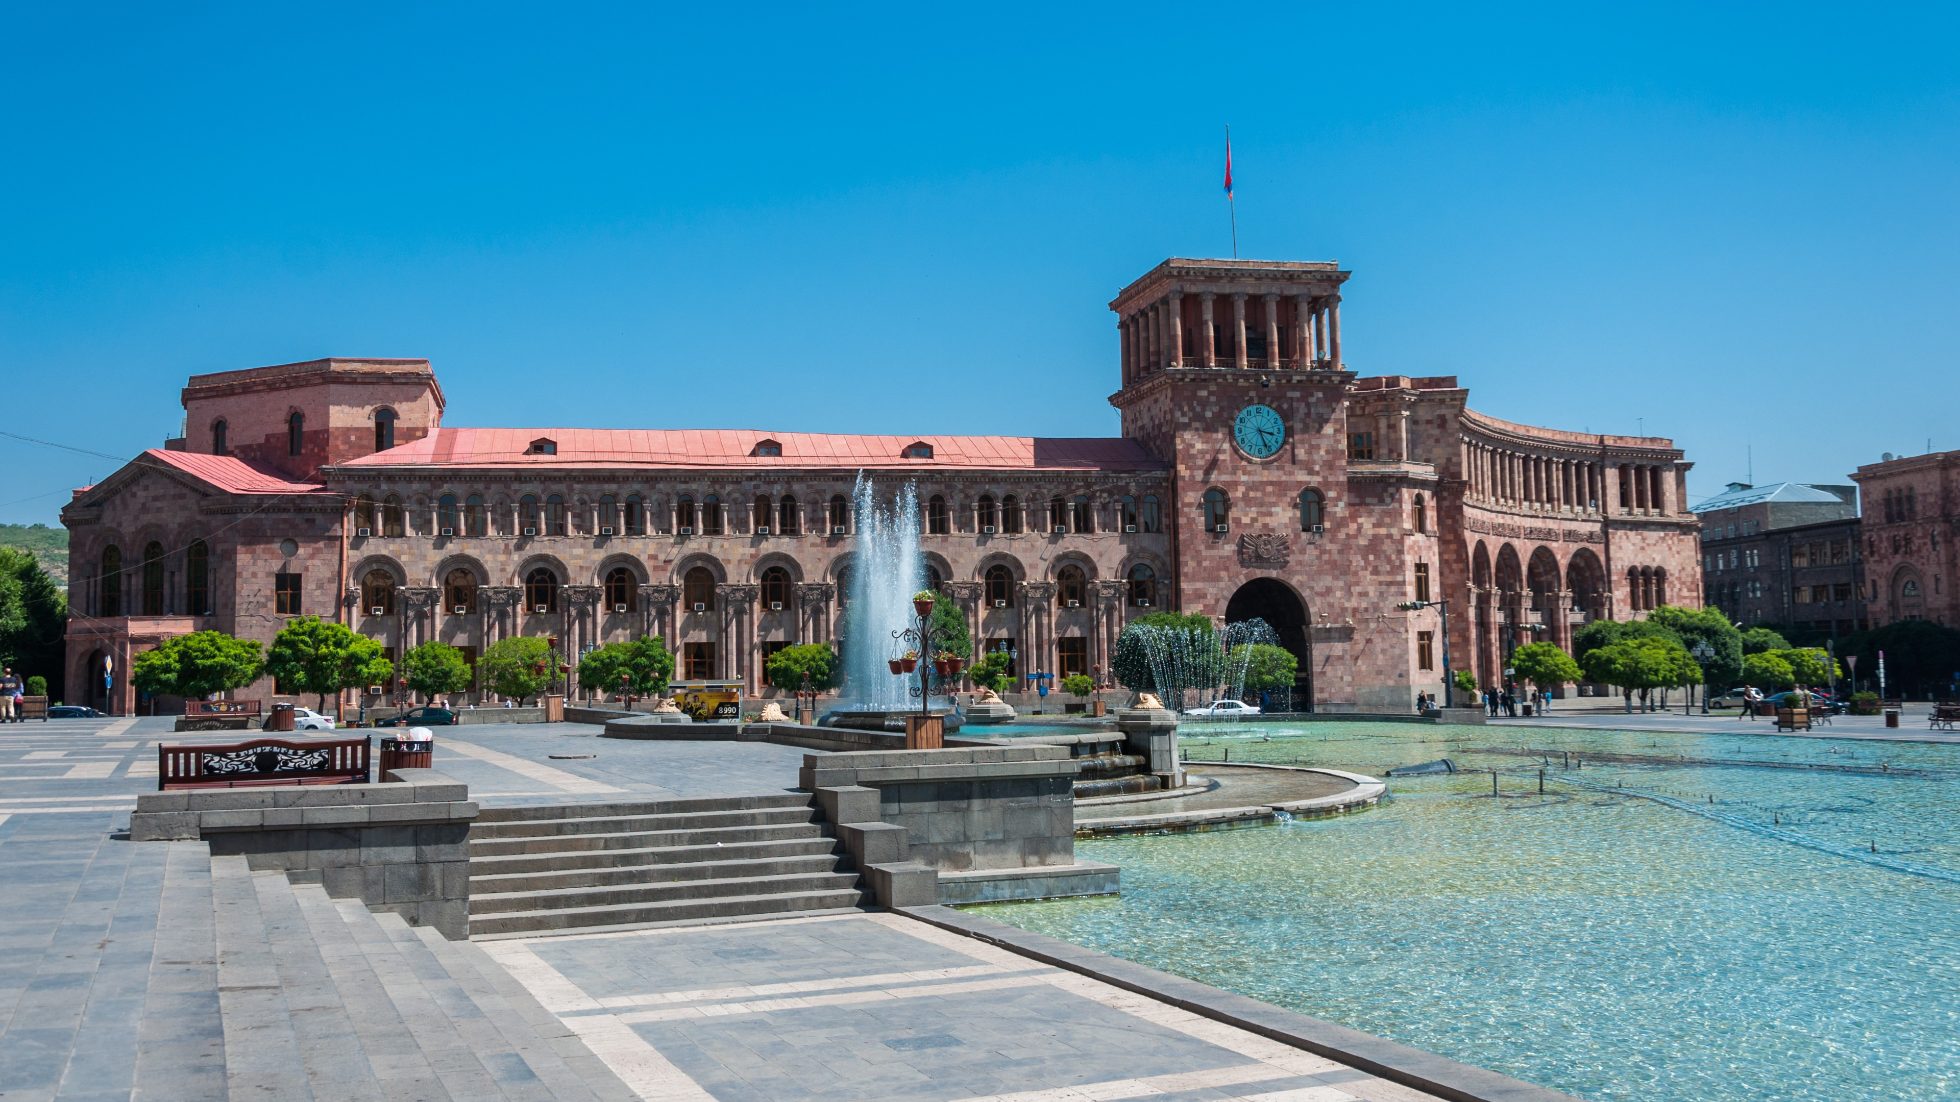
1264,550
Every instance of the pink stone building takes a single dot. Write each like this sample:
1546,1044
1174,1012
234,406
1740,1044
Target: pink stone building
1911,524
1255,475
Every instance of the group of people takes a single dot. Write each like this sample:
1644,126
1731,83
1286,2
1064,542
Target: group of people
12,689
1504,702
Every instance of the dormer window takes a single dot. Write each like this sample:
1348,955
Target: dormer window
542,446
917,449
767,449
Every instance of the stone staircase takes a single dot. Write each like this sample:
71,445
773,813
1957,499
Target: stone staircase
322,998
566,867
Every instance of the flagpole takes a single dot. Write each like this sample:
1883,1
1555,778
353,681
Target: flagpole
1231,204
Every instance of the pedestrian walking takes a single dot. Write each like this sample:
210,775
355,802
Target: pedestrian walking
9,696
1545,702
1750,698
1490,701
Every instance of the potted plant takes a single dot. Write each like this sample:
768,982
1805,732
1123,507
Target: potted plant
897,665
948,664
922,602
909,663
1078,685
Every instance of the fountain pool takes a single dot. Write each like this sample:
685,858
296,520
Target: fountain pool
1619,937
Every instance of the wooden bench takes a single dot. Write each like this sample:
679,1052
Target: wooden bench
33,707
219,715
265,761
1789,719
1944,716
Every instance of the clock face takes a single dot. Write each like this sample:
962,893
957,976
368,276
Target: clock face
1259,431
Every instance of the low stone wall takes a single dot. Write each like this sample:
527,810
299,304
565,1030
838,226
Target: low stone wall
401,846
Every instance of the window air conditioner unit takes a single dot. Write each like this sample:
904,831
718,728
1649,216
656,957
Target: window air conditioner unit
1129,529
619,606
448,531
1060,529
1319,529
530,531
606,530
364,531
836,529
1075,604
986,529
1143,603
686,530
461,609
1221,528
762,529
377,610
775,606
700,606
541,608
1002,603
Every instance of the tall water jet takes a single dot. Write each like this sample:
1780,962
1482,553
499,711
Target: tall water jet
886,569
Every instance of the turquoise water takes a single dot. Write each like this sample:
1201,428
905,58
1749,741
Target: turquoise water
1591,939
1028,730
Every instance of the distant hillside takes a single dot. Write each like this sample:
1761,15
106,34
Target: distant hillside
48,545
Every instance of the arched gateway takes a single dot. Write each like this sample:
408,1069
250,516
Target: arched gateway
1275,602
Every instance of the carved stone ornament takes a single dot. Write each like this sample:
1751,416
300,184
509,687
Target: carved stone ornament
1267,549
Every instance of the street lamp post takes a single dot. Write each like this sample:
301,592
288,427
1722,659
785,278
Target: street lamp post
1443,607
1702,653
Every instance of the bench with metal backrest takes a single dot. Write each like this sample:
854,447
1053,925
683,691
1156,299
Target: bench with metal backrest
219,715
261,762
1944,716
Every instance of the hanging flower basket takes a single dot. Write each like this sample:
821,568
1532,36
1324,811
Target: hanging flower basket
897,665
942,667
907,665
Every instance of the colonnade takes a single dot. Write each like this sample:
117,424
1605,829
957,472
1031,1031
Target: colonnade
1507,476
1298,330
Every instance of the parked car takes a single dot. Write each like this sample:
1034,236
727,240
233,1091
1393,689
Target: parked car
1816,701
306,719
1730,699
1223,709
425,717
73,711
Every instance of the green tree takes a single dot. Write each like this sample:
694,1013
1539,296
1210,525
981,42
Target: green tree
1811,666
1711,626
1921,657
646,663
1544,665
1759,639
1641,664
1267,667
33,617
197,665
789,668
436,668
37,685
991,671
1768,670
1078,684
948,626
1193,634
1466,685
311,655
1602,633
518,667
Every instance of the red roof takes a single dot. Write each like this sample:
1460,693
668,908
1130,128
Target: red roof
721,448
228,473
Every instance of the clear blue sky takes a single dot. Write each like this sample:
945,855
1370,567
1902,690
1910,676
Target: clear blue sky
1732,225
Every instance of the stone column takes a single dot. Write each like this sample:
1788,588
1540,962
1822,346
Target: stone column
1402,434
1272,330
1238,325
1154,352
1177,328
1334,330
1303,330
1209,339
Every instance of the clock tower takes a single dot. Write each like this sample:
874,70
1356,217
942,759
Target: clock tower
1232,372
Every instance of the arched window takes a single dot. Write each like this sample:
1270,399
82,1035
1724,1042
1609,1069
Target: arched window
1071,587
711,515
698,589
775,589
636,516
393,522
1660,586
1217,510
1085,515
197,579
530,519
1128,507
764,512
153,579
937,523
541,591
935,581
1313,512
1633,588
554,516
789,520
840,514
843,587
1143,586
684,514
384,429
1422,514
110,599
220,444
987,514
1058,514
1010,514
622,590
378,593
295,434
608,514
363,515
459,591
448,519
1000,586
476,522
1153,514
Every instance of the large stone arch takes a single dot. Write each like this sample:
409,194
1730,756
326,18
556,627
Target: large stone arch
459,562
634,565
1908,593
701,559
1000,558
1542,581
1507,581
1287,613
777,558
1585,577
545,559
933,561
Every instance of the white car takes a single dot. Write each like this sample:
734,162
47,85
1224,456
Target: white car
1223,709
306,719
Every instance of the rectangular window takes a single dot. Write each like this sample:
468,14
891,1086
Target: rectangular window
1422,583
1072,656
285,594
698,660
1425,650
1361,445
1841,592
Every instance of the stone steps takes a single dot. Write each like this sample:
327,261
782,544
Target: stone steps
578,867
